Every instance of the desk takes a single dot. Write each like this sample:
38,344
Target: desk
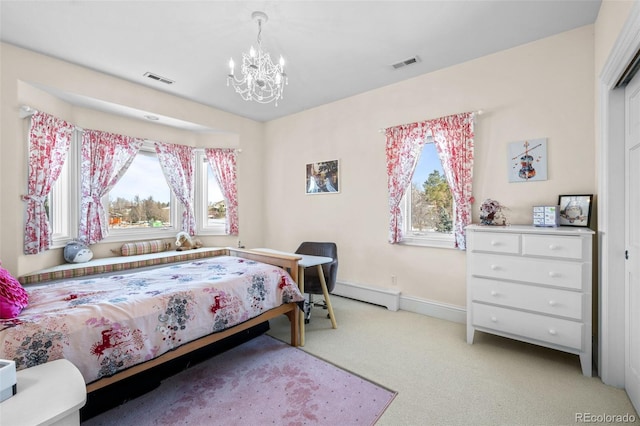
48,394
308,261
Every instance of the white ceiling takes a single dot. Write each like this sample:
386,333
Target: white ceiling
333,49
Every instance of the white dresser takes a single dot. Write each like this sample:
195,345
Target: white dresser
531,284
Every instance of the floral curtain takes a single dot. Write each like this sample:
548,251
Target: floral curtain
105,159
223,163
49,139
453,136
404,144
178,163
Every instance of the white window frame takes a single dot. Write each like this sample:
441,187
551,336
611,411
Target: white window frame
432,239
64,204
202,197
118,235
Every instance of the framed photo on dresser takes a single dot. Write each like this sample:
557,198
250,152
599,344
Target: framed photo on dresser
575,210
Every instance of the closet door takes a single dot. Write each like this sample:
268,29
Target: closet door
632,241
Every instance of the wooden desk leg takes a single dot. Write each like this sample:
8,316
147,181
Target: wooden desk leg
301,287
325,292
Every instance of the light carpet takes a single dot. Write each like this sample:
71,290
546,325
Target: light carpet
263,381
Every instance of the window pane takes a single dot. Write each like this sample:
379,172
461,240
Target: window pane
141,199
216,208
431,200
62,203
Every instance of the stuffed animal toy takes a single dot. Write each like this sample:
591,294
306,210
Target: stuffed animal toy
77,252
492,213
184,241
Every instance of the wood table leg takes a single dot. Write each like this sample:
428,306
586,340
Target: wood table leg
325,292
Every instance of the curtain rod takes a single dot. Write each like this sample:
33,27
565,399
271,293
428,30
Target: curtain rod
477,112
26,111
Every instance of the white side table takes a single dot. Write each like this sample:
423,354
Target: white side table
308,261
48,394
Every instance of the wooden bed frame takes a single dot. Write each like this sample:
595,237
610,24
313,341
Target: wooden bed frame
291,310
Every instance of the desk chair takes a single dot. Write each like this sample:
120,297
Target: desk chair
311,279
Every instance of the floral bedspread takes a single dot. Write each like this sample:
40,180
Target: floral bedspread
107,324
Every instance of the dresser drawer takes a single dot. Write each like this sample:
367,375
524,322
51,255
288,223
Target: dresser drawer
556,273
523,324
496,242
552,246
551,301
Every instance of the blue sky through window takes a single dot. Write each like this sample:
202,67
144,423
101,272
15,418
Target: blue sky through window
427,163
144,177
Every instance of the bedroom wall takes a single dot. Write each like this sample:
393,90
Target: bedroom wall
540,90
22,73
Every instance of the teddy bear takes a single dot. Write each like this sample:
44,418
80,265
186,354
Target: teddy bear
185,241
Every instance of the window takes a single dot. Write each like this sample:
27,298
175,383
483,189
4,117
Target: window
141,205
142,202
211,210
428,203
62,203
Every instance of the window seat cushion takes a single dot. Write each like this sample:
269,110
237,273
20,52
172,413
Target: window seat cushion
118,263
142,247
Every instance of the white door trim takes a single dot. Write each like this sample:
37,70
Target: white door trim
611,333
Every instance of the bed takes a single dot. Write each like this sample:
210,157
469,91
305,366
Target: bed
113,327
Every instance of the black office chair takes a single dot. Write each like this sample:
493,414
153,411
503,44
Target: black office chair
311,279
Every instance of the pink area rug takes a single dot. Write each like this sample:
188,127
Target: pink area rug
263,381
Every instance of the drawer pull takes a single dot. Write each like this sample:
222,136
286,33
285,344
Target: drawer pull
495,267
552,332
552,303
494,293
495,243
553,274
494,319
553,247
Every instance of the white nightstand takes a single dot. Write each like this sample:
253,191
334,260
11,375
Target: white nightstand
48,394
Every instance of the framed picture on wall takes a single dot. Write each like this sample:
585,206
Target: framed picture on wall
323,177
575,210
528,160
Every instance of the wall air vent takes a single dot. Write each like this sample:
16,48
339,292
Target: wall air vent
410,61
156,77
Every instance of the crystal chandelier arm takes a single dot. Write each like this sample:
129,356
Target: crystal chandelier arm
261,80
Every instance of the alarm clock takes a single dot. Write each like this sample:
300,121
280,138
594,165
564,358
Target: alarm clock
546,215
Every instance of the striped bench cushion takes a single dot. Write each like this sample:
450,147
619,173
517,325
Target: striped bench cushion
143,247
117,264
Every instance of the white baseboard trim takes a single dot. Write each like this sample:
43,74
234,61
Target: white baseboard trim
434,309
392,300
378,296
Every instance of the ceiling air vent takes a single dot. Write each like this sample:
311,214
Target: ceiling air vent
156,77
410,61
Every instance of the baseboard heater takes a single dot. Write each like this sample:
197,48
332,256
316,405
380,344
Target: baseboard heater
378,296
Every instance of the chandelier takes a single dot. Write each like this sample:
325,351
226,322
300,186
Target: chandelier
261,80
